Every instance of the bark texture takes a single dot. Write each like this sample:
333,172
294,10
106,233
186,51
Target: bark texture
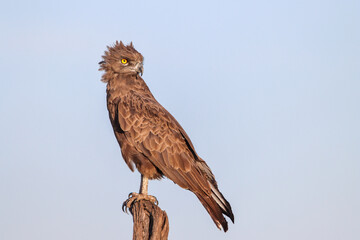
150,222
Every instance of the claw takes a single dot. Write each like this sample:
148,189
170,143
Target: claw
133,197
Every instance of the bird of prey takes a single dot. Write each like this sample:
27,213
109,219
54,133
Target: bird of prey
150,137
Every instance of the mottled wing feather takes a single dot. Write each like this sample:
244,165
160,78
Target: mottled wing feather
156,134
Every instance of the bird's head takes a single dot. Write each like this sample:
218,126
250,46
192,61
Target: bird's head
122,60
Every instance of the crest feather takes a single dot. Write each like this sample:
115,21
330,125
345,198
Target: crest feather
114,54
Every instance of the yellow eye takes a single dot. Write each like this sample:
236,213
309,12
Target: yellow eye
124,61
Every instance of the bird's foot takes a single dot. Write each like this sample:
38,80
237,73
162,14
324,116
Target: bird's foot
133,197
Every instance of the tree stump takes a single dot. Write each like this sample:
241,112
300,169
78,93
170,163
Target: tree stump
150,222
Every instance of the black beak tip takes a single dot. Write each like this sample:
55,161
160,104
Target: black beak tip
102,62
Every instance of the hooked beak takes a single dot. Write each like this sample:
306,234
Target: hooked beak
139,68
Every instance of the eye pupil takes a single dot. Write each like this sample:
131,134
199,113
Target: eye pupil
124,61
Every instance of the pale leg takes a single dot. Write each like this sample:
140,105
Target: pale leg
144,185
143,195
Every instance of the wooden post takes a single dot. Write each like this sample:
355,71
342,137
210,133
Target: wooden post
150,222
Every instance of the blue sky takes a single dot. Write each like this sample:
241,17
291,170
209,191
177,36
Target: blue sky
268,91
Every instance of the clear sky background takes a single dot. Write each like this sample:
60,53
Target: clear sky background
268,91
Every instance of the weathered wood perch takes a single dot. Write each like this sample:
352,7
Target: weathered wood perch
150,222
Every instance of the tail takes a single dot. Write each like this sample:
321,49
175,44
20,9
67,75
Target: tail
216,205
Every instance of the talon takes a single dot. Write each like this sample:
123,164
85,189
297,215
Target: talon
133,197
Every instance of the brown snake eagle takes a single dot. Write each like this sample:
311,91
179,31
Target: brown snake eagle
150,137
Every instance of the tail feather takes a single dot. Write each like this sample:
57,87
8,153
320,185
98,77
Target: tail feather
216,205
222,202
212,199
